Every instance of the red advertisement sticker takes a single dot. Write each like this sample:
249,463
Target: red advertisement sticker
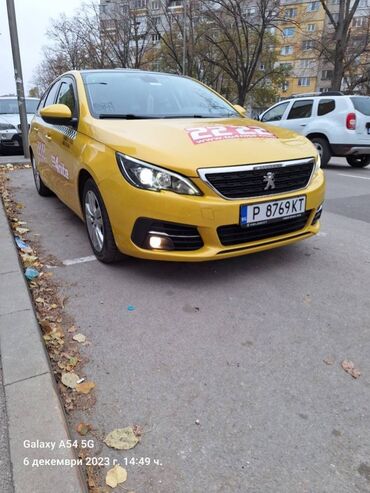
202,135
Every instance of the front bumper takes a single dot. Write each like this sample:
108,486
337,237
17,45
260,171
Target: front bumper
10,141
206,213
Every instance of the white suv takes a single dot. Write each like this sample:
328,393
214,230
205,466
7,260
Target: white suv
337,124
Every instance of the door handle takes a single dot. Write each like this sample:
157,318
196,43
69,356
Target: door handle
303,124
48,136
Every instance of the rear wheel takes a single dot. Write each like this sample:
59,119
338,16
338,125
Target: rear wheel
358,161
42,189
98,225
323,148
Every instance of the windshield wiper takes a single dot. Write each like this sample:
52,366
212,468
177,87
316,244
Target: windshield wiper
196,116
129,116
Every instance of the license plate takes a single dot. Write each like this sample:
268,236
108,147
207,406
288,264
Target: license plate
251,215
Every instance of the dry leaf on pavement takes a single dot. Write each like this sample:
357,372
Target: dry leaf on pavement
70,380
349,367
122,439
83,428
85,387
329,360
79,338
116,476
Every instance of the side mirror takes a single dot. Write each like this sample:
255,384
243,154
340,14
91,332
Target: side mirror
56,114
240,109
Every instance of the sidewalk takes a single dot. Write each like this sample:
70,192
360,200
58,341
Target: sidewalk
33,409
14,160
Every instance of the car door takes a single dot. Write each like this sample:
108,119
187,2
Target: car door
299,115
40,138
275,114
65,145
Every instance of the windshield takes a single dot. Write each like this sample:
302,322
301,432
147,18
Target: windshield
10,106
146,95
362,104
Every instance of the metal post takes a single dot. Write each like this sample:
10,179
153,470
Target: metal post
184,39
18,75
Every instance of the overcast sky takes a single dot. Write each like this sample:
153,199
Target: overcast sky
33,17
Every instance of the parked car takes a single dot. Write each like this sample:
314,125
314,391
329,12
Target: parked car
161,167
337,124
10,123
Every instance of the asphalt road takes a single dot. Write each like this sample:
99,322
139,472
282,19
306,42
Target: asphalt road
237,344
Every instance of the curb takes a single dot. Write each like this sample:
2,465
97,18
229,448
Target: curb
4,160
34,411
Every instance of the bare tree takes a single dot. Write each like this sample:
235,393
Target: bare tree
343,45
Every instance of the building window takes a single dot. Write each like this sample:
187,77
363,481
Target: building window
286,50
292,12
305,63
288,32
308,44
326,75
251,11
334,2
155,5
359,21
155,20
271,30
313,6
286,66
285,86
311,28
156,38
304,81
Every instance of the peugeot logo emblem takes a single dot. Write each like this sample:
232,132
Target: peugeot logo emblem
269,179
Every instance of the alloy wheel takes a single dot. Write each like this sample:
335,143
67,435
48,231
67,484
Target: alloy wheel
94,220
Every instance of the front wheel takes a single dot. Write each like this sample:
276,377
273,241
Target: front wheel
98,225
358,161
323,149
41,188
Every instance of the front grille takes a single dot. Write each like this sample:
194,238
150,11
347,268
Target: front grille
233,234
183,237
254,182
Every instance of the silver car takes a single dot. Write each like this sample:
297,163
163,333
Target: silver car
10,125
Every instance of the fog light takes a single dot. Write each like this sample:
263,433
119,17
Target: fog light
159,242
155,242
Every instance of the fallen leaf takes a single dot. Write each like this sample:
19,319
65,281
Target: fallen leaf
72,329
122,439
329,360
70,380
83,428
85,387
349,367
21,231
79,338
116,476
138,431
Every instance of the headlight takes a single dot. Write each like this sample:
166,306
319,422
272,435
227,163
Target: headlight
7,126
318,162
150,177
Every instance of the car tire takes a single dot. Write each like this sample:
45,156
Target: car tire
358,161
98,227
323,148
41,188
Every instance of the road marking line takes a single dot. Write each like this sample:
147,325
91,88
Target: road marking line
354,176
79,260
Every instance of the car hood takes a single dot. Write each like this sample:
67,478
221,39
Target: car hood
14,119
177,144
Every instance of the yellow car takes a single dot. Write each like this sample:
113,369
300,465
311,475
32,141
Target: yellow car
161,167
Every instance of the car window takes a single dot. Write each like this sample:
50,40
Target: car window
66,95
362,104
276,113
301,109
51,94
325,107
